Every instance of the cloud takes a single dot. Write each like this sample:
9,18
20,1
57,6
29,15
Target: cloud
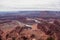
12,5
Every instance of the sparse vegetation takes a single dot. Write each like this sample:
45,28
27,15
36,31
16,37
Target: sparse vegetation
50,38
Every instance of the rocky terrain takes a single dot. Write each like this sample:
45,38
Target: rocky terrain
17,27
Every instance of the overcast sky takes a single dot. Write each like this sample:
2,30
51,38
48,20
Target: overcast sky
15,5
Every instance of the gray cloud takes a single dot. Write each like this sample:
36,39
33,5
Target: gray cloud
12,5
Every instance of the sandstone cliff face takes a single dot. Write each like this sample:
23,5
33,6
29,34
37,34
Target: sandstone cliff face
15,30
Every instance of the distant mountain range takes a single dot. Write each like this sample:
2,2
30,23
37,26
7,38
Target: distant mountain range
33,13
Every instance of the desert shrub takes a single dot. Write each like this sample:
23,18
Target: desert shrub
50,38
32,36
